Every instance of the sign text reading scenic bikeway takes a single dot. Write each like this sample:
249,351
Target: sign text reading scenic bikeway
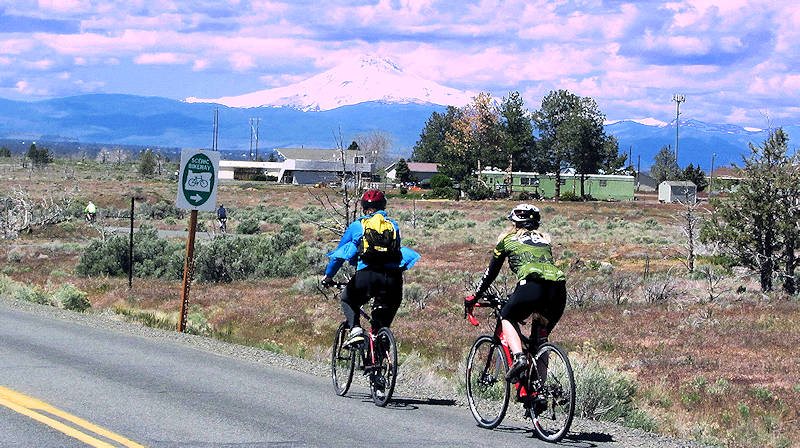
197,180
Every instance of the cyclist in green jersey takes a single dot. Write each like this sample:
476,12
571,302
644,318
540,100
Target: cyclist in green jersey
541,286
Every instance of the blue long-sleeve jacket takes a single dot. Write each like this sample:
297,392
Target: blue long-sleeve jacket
347,250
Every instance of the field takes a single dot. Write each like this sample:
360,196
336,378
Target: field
701,355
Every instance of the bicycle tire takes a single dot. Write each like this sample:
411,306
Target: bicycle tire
558,389
488,391
381,381
342,361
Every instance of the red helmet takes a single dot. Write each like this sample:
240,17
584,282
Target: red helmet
373,199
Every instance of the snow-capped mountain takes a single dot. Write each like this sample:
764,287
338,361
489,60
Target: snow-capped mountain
363,80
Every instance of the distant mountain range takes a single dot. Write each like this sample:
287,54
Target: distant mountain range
364,79
369,94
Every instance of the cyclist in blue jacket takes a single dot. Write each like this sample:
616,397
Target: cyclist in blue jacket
383,281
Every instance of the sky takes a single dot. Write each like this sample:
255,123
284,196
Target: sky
735,61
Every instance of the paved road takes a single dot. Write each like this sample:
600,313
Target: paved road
162,394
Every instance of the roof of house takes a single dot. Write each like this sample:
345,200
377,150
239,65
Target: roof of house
679,183
419,167
730,172
423,167
318,154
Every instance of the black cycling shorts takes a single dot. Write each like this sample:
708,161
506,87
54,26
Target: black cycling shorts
545,297
386,286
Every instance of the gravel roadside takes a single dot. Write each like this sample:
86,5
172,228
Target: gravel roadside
583,432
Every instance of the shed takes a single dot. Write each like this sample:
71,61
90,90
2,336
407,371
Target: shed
419,170
677,191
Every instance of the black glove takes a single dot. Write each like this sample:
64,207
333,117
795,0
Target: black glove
327,282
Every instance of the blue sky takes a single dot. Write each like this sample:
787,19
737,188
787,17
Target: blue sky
736,61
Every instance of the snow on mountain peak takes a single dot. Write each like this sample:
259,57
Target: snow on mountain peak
363,79
645,121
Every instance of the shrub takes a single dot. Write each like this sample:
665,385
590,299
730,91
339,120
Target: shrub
588,224
476,190
570,196
161,210
14,256
21,291
440,180
603,393
72,298
444,193
249,226
260,177
152,256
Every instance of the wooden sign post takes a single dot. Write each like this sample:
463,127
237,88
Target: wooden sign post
197,190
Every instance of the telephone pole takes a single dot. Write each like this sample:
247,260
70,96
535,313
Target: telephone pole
254,137
678,98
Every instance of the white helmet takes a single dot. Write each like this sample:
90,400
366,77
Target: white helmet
525,213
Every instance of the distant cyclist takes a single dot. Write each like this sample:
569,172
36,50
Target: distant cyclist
91,212
222,217
372,244
541,286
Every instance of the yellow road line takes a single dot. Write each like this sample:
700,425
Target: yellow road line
28,406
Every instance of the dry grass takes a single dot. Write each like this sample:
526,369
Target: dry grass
723,372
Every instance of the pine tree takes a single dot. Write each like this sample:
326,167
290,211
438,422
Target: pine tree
402,172
665,166
695,175
759,219
147,163
5,152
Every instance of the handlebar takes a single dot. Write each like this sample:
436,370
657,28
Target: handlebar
488,301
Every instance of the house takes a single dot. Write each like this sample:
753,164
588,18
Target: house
677,191
308,166
725,179
302,166
419,170
645,182
598,186
247,170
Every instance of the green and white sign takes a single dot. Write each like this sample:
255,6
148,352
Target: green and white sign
197,180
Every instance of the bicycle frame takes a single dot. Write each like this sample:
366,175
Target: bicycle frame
522,392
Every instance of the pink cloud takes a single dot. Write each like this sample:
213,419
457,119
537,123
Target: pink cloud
161,58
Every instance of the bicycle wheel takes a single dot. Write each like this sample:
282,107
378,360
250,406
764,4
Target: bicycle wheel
342,361
382,379
487,389
556,391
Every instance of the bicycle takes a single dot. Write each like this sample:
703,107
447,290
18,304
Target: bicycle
376,356
546,390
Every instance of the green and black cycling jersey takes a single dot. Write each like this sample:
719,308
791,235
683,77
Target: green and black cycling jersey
530,256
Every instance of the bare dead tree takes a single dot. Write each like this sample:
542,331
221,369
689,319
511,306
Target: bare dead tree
689,221
21,212
341,208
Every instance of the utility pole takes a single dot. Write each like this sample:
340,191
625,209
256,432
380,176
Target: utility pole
215,134
678,98
711,176
254,138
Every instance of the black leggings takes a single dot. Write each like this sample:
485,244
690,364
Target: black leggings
385,286
545,297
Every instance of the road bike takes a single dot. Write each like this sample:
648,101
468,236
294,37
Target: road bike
376,357
546,390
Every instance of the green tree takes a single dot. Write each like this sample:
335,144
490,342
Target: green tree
402,172
147,163
5,152
39,156
759,219
696,175
475,140
430,145
518,140
665,166
571,134
353,146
